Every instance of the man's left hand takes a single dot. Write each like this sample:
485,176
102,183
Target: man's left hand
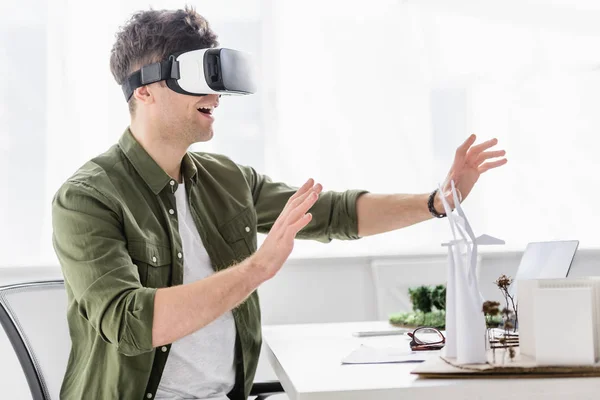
469,163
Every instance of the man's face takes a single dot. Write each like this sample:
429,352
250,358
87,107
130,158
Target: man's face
190,118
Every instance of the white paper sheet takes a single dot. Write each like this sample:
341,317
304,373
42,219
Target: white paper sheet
383,355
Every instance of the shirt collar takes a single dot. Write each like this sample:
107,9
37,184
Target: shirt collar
189,169
154,176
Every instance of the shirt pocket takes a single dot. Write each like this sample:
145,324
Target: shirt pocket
240,233
153,263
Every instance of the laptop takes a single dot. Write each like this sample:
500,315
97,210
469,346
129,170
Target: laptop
545,260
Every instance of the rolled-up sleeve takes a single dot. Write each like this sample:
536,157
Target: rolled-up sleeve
91,247
334,213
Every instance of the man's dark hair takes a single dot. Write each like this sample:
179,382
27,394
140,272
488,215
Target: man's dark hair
151,36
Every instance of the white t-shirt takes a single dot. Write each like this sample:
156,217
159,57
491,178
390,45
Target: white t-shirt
200,365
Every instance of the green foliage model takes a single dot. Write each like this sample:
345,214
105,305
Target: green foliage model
429,305
421,298
438,297
435,319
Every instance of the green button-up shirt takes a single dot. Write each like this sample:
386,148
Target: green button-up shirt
116,236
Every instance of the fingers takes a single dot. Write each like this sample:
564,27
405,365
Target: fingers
295,200
303,189
463,148
300,209
491,164
299,200
486,155
299,217
299,225
476,150
315,189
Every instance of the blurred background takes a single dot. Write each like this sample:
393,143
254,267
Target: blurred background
372,94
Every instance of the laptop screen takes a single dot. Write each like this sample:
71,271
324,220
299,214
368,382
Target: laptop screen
545,260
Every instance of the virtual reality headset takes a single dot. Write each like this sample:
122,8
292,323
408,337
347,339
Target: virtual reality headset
198,73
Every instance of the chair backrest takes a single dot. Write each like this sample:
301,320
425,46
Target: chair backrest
35,320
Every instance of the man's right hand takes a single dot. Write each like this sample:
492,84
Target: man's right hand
183,309
278,245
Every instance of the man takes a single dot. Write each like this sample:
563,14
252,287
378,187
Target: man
158,245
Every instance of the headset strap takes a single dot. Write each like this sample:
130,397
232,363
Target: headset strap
159,71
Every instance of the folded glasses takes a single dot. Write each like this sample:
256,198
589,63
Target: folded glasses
426,338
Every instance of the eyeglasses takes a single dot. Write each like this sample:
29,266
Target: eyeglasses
425,338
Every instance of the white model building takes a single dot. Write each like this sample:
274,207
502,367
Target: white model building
558,320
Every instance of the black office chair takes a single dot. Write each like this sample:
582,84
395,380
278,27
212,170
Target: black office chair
34,317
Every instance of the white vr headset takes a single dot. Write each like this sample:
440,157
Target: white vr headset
198,73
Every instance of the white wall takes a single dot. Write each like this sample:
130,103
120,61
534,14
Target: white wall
322,290
343,289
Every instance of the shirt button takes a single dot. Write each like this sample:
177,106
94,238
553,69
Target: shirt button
247,229
149,395
153,259
164,349
179,255
172,183
171,211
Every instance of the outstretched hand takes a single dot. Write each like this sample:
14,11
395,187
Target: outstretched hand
469,163
279,243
